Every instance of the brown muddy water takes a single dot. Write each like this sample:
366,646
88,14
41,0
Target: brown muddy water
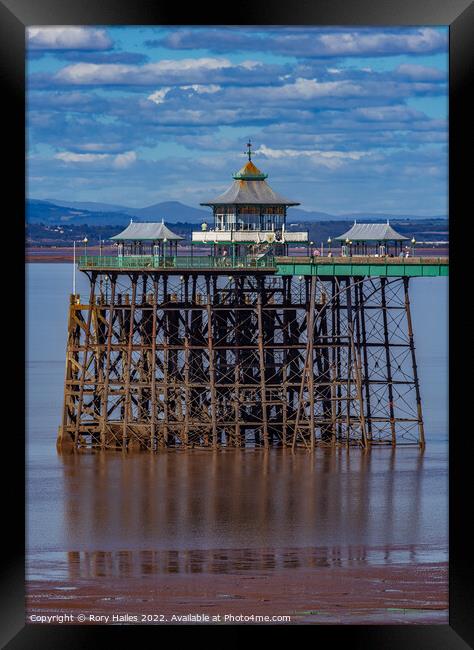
341,536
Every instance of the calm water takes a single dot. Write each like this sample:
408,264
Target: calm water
253,500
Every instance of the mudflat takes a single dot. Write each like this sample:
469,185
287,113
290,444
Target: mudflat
350,592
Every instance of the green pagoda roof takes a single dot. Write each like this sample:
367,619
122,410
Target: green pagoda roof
249,173
250,188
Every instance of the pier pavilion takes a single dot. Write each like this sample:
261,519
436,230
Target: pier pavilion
372,238
152,239
249,218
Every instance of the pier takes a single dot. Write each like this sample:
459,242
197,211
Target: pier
249,346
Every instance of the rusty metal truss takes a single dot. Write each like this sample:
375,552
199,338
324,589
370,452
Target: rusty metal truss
156,359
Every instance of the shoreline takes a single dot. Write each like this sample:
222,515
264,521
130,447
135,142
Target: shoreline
342,589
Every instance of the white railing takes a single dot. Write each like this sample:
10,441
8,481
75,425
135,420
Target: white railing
241,236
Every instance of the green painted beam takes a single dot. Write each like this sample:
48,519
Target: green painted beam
364,270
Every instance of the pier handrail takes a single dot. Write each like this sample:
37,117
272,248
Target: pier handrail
177,262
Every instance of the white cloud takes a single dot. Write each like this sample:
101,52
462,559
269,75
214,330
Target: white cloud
202,88
97,146
123,160
304,42
115,73
331,159
68,38
158,97
346,44
302,89
250,65
420,72
120,161
397,113
71,157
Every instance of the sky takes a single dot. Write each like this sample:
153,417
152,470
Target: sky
341,119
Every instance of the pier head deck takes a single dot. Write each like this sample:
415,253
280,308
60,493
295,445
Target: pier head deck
292,351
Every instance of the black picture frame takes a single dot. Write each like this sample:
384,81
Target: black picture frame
15,16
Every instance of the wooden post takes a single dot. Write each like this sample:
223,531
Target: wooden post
153,442
362,336
421,429
128,365
308,371
212,372
107,363
383,282
261,361
310,365
85,359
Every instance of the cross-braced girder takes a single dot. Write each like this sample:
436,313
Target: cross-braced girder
159,360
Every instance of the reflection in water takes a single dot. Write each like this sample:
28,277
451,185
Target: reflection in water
128,564
247,499
238,511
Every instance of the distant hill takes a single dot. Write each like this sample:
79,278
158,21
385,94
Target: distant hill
383,216
90,206
50,213
296,214
171,211
89,212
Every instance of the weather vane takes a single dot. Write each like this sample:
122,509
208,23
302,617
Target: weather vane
249,152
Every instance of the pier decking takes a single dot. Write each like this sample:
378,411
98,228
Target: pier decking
368,266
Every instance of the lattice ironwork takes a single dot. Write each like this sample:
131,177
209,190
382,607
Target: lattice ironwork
155,359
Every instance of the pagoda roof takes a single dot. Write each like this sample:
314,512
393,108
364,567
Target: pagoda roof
250,193
147,231
249,172
250,188
372,232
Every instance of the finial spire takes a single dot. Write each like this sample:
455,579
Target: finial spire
249,152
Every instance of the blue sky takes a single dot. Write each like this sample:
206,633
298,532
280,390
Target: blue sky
342,119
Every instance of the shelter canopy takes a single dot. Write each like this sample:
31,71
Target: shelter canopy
372,232
147,232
